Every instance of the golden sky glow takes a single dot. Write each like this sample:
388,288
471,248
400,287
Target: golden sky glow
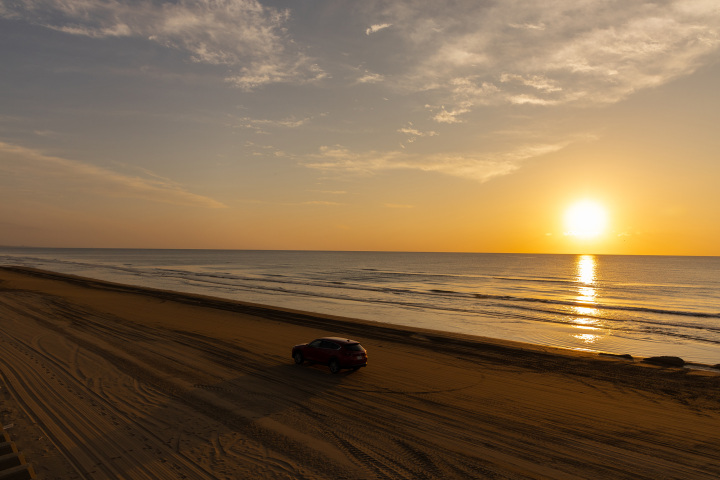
368,125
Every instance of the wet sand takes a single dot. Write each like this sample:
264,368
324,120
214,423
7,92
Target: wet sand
107,381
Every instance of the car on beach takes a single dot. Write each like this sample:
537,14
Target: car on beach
335,352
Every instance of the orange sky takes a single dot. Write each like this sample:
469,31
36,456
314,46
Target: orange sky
360,125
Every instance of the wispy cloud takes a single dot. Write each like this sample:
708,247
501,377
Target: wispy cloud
413,133
528,26
465,93
538,82
247,37
45,173
46,133
481,168
369,77
259,125
376,28
442,115
558,53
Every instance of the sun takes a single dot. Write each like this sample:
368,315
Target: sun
585,219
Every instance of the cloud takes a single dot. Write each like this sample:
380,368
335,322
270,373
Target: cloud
260,124
46,133
525,99
480,168
549,53
282,70
413,133
466,94
528,26
445,116
40,173
538,82
370,78
247,37
377,28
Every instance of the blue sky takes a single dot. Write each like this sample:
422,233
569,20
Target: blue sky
402,125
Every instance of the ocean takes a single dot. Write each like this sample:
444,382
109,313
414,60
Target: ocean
639,305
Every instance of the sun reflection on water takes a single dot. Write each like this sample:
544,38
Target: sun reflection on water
586,269
588,311
586,294
586,278
587,338
584,322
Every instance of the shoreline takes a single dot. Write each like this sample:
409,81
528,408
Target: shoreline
470,295
316,319
108,380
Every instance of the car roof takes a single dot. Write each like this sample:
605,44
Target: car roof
340,340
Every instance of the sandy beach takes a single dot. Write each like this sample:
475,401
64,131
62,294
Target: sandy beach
106,381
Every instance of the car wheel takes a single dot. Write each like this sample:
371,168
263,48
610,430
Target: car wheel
299,359
334,366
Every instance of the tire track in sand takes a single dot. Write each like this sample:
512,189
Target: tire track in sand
99,441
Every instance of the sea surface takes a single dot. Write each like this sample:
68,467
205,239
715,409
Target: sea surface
641,305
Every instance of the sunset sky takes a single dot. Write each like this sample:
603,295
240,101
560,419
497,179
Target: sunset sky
360,125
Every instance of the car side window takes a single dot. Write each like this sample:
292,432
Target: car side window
330,345
316,343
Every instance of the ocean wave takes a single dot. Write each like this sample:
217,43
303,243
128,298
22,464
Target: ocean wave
571,303
320,287
409,291
506,306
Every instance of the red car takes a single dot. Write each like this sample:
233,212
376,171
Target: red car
337,353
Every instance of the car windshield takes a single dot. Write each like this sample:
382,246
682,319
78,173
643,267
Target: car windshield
355,347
